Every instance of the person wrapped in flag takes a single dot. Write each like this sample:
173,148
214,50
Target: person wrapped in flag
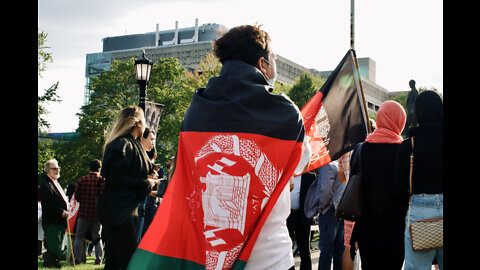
228,200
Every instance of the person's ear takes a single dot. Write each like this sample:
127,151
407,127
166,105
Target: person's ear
261,65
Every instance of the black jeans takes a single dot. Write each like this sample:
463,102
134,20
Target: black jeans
120,244
301,233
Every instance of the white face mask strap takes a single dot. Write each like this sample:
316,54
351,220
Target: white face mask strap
271,81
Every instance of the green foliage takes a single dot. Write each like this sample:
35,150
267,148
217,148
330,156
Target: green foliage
402,99
50,95
424,88
169,86
279,88
116,89
210,67
304,88
43,55
46,149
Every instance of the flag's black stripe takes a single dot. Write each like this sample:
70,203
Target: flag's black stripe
278,122
331,78
343,109
238,101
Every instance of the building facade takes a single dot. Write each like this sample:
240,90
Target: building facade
190,45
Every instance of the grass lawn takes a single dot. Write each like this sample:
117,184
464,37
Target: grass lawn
89,265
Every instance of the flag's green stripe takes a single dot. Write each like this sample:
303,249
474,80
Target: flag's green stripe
239,265
143,259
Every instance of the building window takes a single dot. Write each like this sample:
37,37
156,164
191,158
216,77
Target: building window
370,106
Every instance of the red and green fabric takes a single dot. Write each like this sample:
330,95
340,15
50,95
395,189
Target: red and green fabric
238,147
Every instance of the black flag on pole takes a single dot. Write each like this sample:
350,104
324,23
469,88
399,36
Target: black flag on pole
335,119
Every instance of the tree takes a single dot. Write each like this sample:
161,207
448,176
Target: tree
402,98
50,94
279,87
116,89
43,55
46,149
304,88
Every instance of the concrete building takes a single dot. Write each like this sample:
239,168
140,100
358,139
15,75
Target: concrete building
190,45
375,94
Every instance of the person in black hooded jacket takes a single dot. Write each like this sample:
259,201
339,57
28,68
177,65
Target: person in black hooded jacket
427,178
125,167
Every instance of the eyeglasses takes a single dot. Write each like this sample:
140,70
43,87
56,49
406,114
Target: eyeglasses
55,169
267,61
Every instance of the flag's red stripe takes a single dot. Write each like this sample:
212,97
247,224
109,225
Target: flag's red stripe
177,229
310,110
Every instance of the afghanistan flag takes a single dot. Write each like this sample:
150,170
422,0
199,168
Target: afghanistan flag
73,207
335,118
238,147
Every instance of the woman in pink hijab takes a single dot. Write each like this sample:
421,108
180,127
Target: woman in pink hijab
391,119
379,231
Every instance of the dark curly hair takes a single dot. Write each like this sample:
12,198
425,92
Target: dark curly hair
95,165
245,42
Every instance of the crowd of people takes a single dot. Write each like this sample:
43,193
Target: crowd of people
381,234
121,193
124,214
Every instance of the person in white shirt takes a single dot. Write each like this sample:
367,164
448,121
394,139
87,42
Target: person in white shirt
273,248
298,224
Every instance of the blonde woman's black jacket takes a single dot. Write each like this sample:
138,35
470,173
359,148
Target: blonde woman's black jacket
125,167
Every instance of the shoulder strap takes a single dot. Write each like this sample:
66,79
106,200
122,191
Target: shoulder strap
411,167
410,199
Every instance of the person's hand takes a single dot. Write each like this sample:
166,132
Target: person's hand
152,182
64,214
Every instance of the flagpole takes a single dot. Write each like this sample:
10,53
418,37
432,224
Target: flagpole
352,47
361,90
352,24
70,240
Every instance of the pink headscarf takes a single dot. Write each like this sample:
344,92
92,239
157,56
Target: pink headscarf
391,119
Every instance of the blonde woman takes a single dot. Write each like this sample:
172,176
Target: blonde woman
125,168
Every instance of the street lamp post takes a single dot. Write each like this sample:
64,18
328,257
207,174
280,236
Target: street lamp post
143,66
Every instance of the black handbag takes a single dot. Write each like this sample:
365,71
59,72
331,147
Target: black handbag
162,187
351,204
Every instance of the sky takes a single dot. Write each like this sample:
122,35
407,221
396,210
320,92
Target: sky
404,38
